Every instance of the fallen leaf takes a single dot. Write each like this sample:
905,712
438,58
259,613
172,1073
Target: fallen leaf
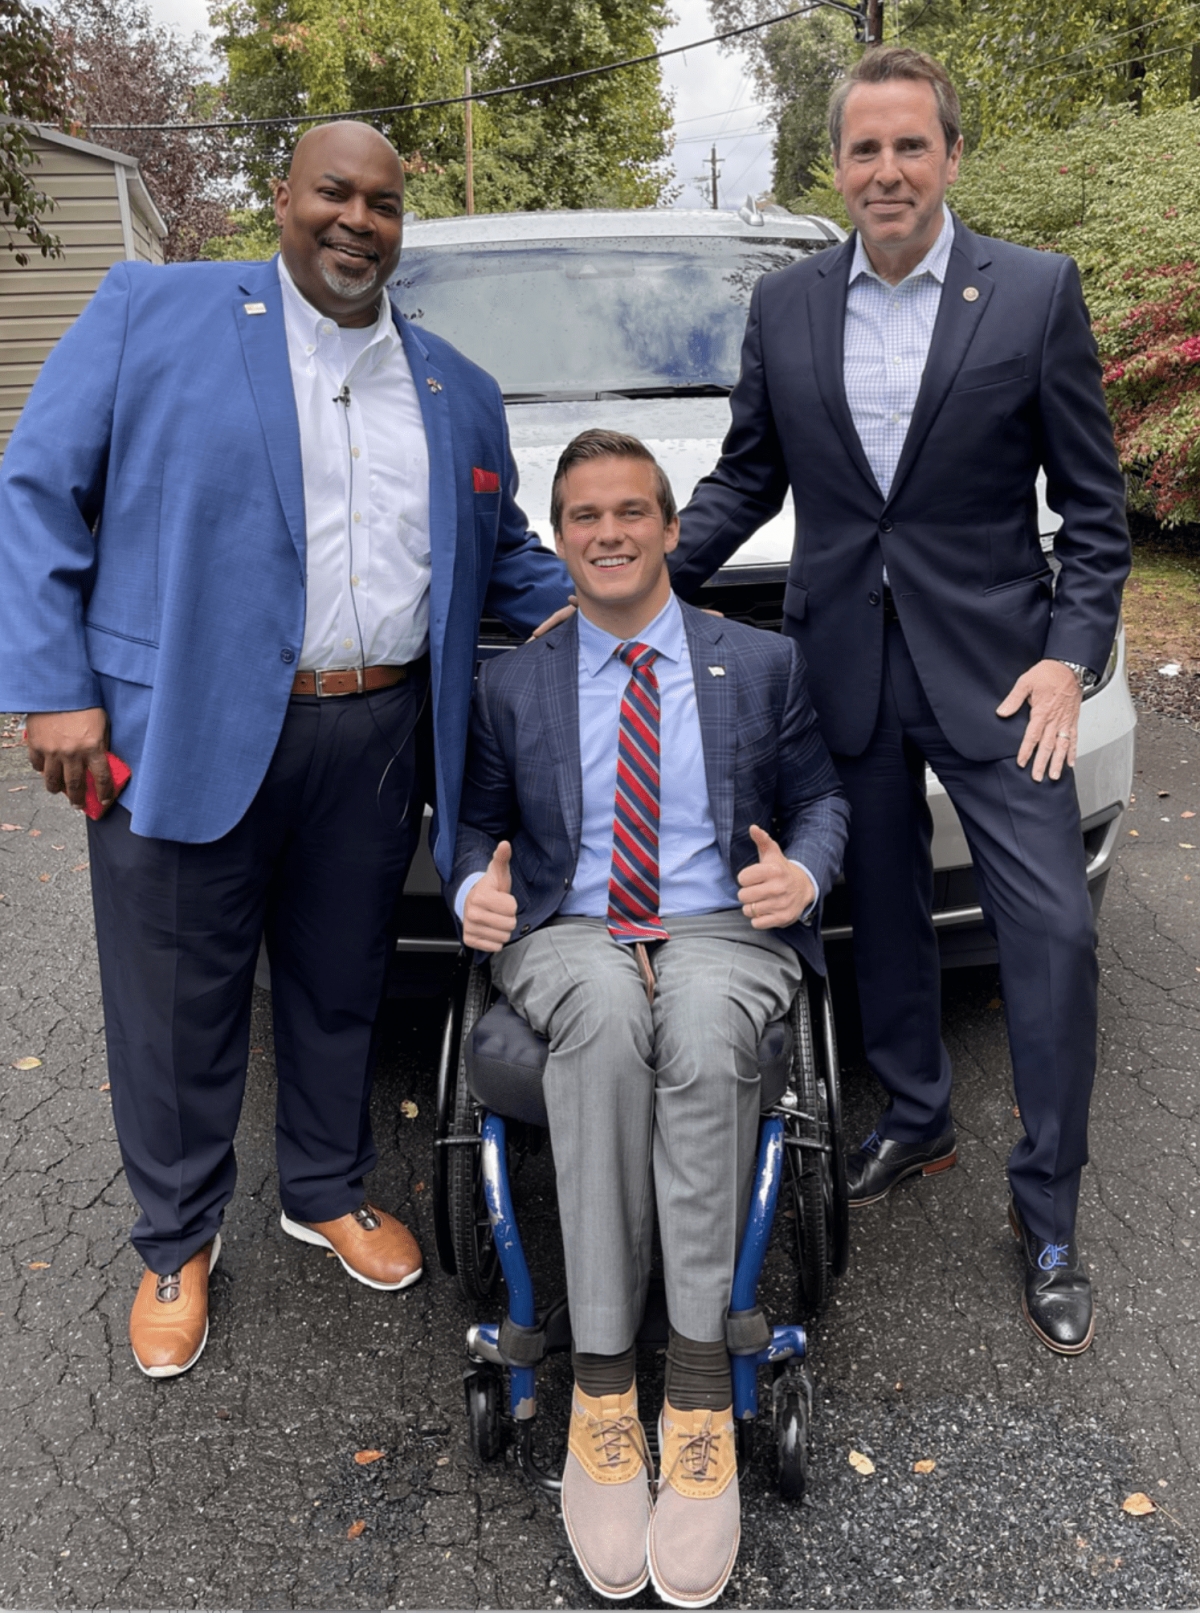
1134,833
356,1529
43,879
409,1109
17,788
418,1187
443,1461
35,833
29,1063
1016,1111
106,1086
1138,1505
79,868
1163,795
1162,1484
365,1458
861,1464
39,1265
1187,814
996,1002
256,1049
9,828
1186,845
53,847
926,1466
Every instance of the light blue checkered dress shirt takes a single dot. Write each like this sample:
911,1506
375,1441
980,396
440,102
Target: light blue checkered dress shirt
888,331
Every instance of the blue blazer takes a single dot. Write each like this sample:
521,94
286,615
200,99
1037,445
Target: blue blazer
1012,384
764,761
152,538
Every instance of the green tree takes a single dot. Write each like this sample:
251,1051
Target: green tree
31,91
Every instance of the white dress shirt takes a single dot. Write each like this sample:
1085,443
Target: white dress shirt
366,489
887,337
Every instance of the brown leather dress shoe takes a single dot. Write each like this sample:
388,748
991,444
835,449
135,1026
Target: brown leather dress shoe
373,1246
168,1325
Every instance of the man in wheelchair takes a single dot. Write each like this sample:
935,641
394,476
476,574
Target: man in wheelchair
614,857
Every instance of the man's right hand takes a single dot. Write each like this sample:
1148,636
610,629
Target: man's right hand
490,910
65,746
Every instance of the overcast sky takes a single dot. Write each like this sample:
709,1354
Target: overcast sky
703,80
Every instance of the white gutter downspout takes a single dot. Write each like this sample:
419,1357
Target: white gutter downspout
124,209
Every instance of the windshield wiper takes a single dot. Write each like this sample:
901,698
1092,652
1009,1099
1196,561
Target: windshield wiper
683,389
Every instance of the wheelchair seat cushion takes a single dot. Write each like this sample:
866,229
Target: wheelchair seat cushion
505,1061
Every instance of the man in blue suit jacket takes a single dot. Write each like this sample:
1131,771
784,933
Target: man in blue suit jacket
248,521
909,386
614,856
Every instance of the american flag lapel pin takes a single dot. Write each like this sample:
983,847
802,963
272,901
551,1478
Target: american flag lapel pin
433,383
255,307
717,671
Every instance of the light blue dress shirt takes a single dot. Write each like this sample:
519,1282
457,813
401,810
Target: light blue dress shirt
693,875
887,336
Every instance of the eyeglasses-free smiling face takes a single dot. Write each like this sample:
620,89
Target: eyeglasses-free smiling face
615,542
893,169
340,213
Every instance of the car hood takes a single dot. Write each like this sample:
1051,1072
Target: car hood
683,434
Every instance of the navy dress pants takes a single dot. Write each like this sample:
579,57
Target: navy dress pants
317,864
1027,848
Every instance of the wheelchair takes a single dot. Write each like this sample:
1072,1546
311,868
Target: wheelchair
490,1112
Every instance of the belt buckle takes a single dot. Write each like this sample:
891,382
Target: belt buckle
318,685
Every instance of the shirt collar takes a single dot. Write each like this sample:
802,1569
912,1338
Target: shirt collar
316,330
664,634
933,263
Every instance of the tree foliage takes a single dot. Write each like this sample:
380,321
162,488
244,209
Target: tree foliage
31,90
597,142
121,68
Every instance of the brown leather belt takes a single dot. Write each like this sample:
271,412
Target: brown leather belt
348,680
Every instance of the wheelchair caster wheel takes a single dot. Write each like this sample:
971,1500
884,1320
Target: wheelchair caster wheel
744,1433
483,1390
791,1445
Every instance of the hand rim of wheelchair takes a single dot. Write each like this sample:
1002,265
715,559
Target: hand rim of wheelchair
462,1229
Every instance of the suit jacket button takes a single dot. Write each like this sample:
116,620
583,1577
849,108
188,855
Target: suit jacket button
872,598
524,929
566,884
287,656
885,526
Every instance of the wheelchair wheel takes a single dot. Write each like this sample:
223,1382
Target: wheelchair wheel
475,1259
813,1158
791,1445
483,1390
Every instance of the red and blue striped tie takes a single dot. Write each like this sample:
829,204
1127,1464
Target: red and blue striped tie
633,884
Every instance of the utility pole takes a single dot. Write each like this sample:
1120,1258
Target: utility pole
712,167
873,34
469,135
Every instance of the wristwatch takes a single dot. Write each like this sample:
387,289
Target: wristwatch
1084,675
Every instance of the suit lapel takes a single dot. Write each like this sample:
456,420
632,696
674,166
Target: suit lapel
434,397
714,673
827,325
957,321
558,696
264,347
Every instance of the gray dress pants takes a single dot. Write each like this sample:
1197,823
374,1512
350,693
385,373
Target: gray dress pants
650,1103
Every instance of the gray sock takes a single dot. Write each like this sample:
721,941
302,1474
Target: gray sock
599,1375
698,1377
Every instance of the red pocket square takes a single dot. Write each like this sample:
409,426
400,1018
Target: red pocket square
486,481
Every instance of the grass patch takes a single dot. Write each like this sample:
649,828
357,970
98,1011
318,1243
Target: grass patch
1162,607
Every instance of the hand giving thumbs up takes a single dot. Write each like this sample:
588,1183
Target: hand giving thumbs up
773,891
490,910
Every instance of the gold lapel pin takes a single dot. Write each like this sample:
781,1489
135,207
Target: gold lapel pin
255,307
970,293
432,384
717,671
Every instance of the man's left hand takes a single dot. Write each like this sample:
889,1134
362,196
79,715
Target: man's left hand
773,891
1052,732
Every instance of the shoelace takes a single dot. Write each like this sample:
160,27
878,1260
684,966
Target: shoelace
873,1143
366,1218
167,1289
1054,1256
696,1455
612,1434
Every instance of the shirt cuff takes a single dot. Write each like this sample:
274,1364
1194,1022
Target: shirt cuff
807,916
464,890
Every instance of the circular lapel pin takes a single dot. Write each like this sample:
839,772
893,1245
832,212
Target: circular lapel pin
970,293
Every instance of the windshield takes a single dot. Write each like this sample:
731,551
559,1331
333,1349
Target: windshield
578,319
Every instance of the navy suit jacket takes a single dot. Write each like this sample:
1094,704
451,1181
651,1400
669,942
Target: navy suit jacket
1011,385
764,761
152,538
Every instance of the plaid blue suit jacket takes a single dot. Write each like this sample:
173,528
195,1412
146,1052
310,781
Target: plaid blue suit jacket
764,760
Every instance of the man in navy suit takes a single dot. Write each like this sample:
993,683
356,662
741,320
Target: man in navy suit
625,779
909,386
248,522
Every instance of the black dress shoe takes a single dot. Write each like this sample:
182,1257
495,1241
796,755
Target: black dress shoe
873,1169
1057,1302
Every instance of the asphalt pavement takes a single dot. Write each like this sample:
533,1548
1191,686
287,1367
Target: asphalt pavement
237,1486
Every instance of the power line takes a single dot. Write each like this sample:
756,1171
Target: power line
479,95
1101,39
1108,67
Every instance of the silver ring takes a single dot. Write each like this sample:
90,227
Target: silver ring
1064,734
